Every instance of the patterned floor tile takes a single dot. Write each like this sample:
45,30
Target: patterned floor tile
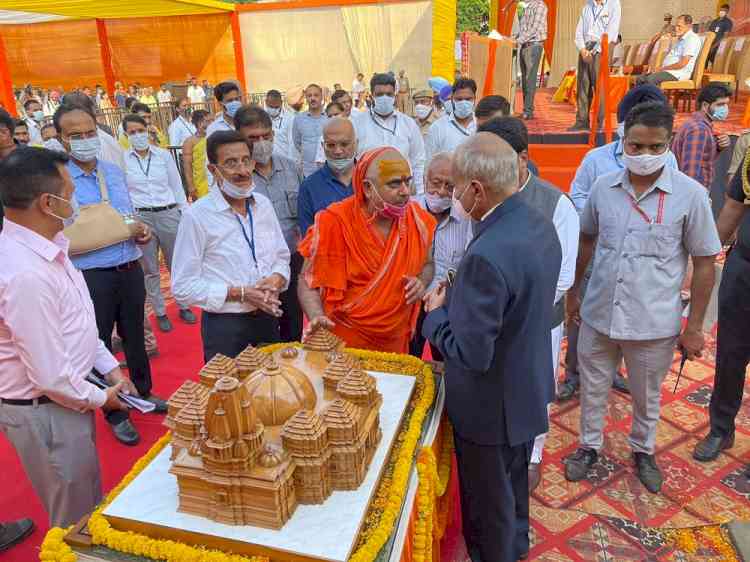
649,538
684,451
667,435
601,543
696,371
720,505
555,491
684,518
595,505
738,482
555,521
700,397
681,477
553,555
683,415
632,498
559,440
570,418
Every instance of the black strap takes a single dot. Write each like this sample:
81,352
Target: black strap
148,165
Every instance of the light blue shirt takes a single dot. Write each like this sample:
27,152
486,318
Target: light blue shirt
598,162
87,192
596,20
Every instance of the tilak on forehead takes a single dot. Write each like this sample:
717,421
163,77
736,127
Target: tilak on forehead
390,168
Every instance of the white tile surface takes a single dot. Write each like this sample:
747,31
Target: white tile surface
325,531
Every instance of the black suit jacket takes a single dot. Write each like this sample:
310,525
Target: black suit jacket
494,330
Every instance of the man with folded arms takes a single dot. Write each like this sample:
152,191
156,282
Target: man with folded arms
49,341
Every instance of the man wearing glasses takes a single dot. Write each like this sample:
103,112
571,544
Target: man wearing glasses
231,258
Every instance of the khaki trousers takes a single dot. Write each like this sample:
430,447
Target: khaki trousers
57,448
647,363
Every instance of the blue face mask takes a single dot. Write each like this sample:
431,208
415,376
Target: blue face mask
384,105
231,107
720,113
463,109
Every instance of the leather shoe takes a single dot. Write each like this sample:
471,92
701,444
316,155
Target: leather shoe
620,384
648,472
14,532
711,445
126,433
523,556
161,405
187,316
566,391
578,127
164,324
578,464
535,475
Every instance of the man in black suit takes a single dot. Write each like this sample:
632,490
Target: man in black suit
493,328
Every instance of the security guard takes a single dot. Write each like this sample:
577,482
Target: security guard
733,345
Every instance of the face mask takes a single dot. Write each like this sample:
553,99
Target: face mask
438,204
459,207
645,164
54,144
720,113
85,150
389,210
463,108
234,191
448,106
38,116
139,141
422,111
231,107
273,112
384,105
262,151
70,219
621,130
340,165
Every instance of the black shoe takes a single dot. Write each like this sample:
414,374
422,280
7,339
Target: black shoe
527,116
567,390
578,127
187,316
620,384
535,475
711,445
648,472
126,433
14,532
578,464
523,556
161,405
164,324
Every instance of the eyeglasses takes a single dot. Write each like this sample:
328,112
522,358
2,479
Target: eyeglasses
234,164
82,136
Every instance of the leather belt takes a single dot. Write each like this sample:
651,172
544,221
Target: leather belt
26,401
122,267
155,209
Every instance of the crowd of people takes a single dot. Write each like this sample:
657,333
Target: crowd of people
395,218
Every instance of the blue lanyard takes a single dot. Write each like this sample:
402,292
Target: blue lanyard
614,155
251,240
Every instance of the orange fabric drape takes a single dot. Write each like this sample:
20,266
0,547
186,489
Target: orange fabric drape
489,76
7,99
361,276
106,55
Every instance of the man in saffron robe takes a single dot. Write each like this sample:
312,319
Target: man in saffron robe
368,258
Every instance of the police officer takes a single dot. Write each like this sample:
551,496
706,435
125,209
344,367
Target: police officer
733,345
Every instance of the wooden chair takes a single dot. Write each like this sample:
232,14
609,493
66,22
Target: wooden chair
731,59
687,90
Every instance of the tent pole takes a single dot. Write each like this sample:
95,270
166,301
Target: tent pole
106,56
239,55
7,99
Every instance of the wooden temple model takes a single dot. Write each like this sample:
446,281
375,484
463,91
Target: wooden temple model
262,433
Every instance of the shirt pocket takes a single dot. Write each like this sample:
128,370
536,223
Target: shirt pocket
659,241
291,203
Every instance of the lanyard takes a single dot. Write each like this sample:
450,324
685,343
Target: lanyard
148,165
251,239
395,124
185,125
599,13
640,211
460,130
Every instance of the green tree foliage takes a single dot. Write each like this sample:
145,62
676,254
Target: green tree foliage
471,14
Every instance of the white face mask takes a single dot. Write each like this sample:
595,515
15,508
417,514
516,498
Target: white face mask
340,165
463,108
422,111
74,212
262,151
85,150
139,141
384,105
233,191
437,204
459,207
645,164
273,112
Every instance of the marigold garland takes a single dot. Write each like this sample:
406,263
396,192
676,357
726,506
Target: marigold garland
715,537
380,520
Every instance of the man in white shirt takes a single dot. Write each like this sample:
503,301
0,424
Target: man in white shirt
181,128
384,126
195,93
282,125
231,258
163,95
358,87
597,18
34,118
449,132
229,96
680,60
158,198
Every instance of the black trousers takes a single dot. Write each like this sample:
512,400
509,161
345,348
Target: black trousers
733,344
494,487
587,75
416,345
119,296
656,78
290,323
530,55
229,333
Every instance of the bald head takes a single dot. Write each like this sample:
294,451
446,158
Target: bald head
339,140
489,160
389,165
388,180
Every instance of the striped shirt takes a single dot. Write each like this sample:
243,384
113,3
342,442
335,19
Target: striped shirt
533,24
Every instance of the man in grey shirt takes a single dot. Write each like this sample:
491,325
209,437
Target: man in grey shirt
646,221
308,128
278,178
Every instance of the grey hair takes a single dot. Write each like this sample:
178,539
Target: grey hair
489,160
439,157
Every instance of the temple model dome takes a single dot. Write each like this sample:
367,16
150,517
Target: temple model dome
279,392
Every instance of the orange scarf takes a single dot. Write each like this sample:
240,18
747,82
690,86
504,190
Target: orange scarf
360,275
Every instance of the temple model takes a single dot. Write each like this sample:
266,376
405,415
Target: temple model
262,433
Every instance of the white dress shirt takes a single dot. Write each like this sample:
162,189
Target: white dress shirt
689,45
196,94
164,97
446,135
282,135
35,132
49,341
219,124
154,181
399,131
179,131
596,20
212,254
110,151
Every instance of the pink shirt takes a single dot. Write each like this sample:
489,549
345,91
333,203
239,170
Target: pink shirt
48,337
